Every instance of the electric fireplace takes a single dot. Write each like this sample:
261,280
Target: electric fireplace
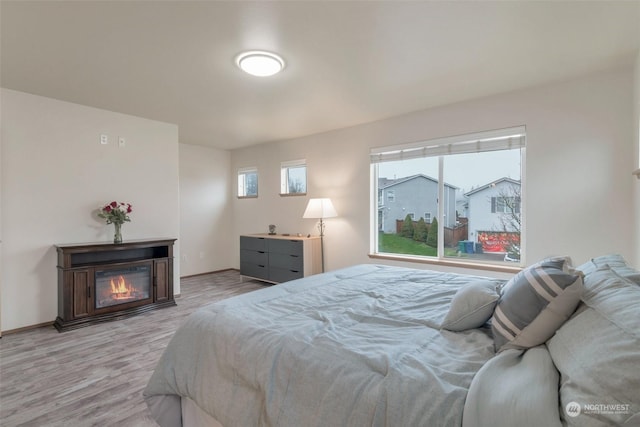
122,285
98,282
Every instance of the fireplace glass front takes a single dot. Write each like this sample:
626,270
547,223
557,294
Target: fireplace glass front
122,285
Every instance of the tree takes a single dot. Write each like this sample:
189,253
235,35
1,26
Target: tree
251,184
420,231
296,185
407,227
432,236
511,217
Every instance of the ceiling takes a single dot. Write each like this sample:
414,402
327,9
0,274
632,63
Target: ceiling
347,62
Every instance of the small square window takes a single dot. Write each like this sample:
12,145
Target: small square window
247,182
293,178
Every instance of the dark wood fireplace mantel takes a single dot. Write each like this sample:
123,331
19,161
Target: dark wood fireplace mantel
80,264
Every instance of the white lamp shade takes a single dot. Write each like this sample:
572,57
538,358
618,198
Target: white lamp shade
320,208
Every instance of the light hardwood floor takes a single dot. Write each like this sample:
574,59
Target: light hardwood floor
94,376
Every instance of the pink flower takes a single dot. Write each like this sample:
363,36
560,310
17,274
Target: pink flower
107,208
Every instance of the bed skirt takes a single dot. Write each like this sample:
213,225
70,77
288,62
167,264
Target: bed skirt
172,411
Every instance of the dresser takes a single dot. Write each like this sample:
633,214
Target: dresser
277,258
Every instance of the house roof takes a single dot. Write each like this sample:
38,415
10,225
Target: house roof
492,184
384,183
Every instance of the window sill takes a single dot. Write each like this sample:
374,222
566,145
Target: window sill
449,263
247,197
292,194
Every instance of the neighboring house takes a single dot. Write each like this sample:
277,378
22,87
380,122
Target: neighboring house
462,205
492,209
416,195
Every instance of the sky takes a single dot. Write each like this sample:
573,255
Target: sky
461,170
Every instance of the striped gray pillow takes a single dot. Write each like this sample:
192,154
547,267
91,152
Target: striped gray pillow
535,303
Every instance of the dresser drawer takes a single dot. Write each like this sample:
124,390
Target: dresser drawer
258,271
254,257
280,275
289,262
253,243
287,247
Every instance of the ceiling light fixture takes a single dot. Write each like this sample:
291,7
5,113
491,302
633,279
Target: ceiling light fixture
260,63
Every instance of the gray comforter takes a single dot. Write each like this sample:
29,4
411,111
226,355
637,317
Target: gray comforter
356,347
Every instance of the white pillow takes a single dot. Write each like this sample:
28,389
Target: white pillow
515,388
596,352
616,262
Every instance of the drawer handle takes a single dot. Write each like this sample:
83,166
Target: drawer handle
294,271
260,252
294,256
260,265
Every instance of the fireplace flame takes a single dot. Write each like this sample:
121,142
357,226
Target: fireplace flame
120,289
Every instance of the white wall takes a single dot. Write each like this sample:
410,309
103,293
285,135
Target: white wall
578,195
1,247
636,150
55,174
578,198
205,211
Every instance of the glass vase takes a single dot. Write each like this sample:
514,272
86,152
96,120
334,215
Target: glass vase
117,237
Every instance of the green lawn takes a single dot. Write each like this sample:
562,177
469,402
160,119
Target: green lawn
392,243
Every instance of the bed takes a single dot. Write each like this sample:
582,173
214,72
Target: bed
374,345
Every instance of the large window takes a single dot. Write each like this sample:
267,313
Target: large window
247,182
293,178
470,189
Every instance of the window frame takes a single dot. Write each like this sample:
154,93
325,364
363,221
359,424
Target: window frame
244,172
500,205
495,140
284,177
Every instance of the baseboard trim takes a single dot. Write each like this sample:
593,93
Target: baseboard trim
26,328
209,272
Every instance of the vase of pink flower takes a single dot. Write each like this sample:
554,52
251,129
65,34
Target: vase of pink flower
116,213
